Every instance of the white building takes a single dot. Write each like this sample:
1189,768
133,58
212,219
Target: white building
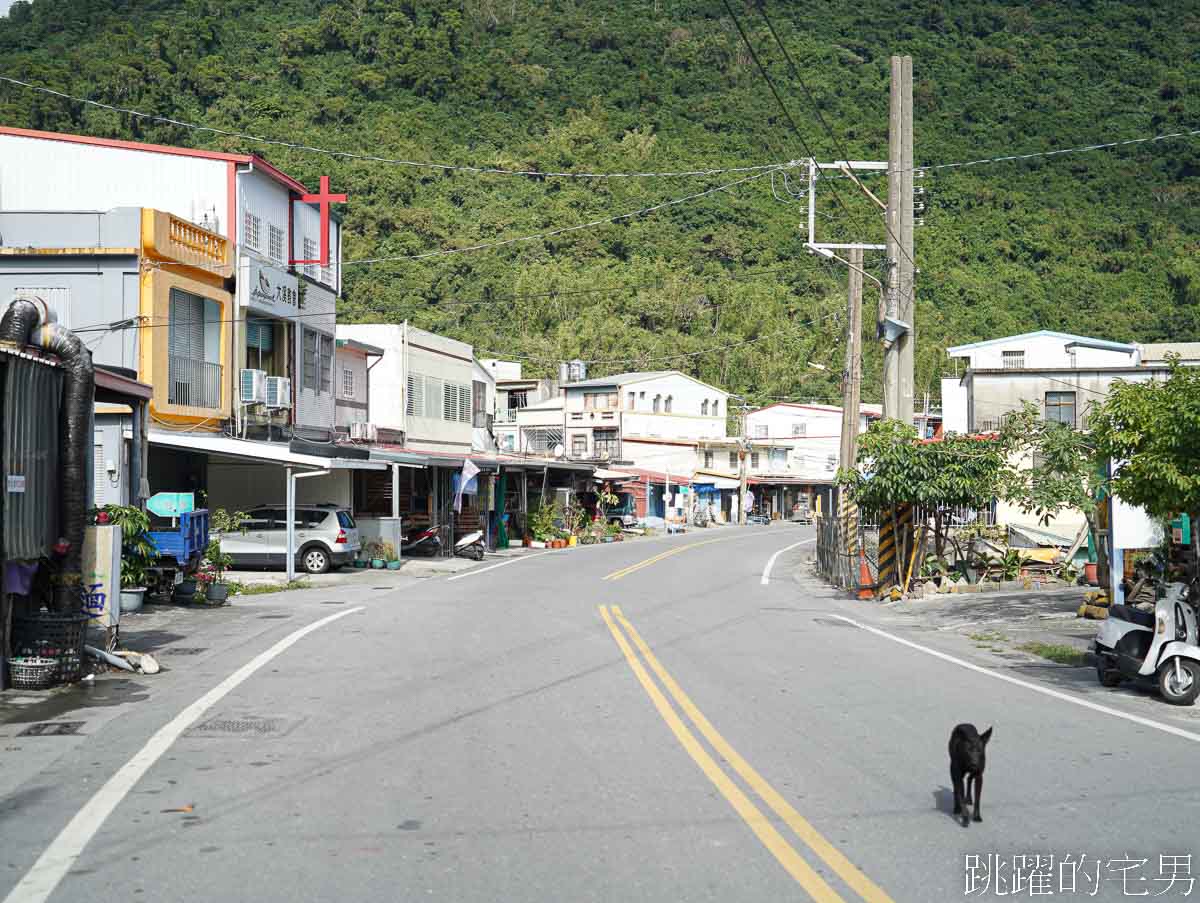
352,379
514,393
650,419
421,389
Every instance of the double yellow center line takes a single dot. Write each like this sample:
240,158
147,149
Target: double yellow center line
759,823
625,572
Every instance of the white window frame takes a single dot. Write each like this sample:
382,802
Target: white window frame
251,231
276,242
347,383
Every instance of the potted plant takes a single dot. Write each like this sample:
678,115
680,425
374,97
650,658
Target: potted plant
374,550
138,553
212,573
389,555
541,525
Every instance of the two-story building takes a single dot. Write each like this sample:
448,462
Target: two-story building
649,420
515,393
193,269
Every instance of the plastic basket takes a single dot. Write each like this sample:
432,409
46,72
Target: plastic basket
52,636
33,673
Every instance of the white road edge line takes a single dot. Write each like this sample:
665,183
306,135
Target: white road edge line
493,567
58,858
1045,691
766,577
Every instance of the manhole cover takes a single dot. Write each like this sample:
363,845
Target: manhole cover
273,617
242,726
183,650
52,729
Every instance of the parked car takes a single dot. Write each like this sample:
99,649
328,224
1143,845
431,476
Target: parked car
326,537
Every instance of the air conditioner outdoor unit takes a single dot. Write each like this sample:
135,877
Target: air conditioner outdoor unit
364,432
279,392
253,386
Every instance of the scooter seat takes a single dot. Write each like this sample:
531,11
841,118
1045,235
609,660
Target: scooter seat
1132,615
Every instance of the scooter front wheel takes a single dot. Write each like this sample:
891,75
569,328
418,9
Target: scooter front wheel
1179,681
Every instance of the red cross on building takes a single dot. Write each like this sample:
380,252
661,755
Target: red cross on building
324,198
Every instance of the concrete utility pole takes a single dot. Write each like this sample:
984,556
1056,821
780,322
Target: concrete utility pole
907,299
743,453
852,374
898,354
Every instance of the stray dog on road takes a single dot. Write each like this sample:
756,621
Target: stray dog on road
967,760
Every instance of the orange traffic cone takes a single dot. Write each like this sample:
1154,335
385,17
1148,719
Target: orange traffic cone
864,577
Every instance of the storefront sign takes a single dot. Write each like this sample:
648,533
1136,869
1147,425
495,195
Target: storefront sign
267,289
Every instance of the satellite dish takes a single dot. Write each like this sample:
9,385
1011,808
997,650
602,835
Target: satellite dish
559,451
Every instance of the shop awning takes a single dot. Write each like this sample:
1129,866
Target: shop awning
260,452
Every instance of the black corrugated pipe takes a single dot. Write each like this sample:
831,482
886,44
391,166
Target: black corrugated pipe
30,323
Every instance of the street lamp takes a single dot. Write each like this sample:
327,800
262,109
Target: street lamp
892,327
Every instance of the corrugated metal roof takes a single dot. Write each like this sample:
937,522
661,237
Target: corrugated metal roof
618,378
1158,351
959,350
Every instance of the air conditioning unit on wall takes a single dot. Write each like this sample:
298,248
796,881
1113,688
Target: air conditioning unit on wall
253,386
364,432
279,392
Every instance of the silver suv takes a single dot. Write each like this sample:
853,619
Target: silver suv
326,537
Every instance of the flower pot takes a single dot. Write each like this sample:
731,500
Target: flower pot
216,592
132,598
186,588
572,540
536,544
361,563
1090,573
607,539
378,563
527,542
393,565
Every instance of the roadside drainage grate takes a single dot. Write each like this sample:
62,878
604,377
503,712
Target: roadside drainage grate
242,726
183,650
335,602
52,729
273,617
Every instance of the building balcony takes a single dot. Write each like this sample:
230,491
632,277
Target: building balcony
193,383
170,237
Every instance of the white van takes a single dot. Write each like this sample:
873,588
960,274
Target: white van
326,537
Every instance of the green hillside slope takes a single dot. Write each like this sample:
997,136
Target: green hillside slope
1103,243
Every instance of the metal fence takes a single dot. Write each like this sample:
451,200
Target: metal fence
835,562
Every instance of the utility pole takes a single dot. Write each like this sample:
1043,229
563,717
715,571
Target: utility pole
852,374
891,352
743,452
899,352
907,305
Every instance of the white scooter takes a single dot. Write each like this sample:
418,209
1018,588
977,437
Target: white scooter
470,546
1159,645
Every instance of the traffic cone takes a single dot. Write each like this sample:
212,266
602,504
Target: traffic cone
864,577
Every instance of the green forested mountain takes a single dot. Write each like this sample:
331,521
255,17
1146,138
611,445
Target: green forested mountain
1103,243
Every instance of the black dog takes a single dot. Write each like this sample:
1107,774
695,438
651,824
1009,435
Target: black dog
967,759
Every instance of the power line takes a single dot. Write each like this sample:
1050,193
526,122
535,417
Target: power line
374,158
486,246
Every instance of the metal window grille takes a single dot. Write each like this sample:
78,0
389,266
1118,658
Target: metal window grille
275,238
327,363
1013,360
252,231
347,383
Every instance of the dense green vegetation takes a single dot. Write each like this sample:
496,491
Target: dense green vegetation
1102,243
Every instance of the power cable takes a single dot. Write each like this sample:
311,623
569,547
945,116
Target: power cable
374,158
487,246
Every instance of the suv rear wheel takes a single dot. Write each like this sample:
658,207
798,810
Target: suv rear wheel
314,560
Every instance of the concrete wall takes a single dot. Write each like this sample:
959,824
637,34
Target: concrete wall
679,460
306,223
955,417
685,420
268,200
351,407
83,291
436,358
992,395
501,369
42,174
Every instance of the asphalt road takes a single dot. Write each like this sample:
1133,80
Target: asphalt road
638,721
